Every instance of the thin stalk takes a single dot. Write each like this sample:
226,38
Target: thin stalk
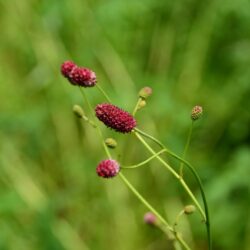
136,106
97,127
152,209
103,92
177,219
158,157
131,187
146,161
186,147
193,171
177,176
139,196
191,168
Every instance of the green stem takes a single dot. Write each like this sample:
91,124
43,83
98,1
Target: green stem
131,187
186,148
177,219
139,196
158,157
97,127
152,209
191,168
193,171
136,106
103,92
146,161
177,176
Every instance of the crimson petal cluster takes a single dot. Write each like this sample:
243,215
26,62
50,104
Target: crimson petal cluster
80,76
115,118
108,168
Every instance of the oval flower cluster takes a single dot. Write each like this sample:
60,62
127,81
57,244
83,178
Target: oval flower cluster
80,76
108,168
115,118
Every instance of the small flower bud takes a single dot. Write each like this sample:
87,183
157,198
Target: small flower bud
150,218
111,143
108,168
189,209
115,118
145,92
78,111
196,113
142,104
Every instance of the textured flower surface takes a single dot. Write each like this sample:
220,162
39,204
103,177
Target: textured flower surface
108,168
78,75
196,112
115,118
66,68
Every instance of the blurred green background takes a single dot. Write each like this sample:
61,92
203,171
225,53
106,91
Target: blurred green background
190,52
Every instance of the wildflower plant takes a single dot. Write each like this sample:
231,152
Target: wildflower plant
122,121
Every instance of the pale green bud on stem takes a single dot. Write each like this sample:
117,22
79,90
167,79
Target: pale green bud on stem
141,104
78,111
145,92
189,209
111,143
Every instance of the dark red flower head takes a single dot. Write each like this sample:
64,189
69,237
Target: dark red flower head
77,75
67,67
108,168
115,118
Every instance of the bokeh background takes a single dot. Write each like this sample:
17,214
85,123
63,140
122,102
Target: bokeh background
190,52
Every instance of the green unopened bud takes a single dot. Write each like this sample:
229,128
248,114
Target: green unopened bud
145,92
78,111
189,209
111,143
196,113
142,104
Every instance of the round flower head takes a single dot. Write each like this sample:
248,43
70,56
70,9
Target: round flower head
83,77
77,75
108,168
149,218
66,68
115,118
196,113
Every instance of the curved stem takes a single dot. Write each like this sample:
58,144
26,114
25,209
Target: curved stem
177,219
136,106
131,187
103,92
177,176
139,196
152,209
207,221
146,161
193,171
97,127
186,147
150,137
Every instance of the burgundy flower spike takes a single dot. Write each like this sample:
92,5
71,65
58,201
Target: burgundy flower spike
77,75
108,168
115,118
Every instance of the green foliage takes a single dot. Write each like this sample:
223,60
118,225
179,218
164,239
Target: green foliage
190,52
